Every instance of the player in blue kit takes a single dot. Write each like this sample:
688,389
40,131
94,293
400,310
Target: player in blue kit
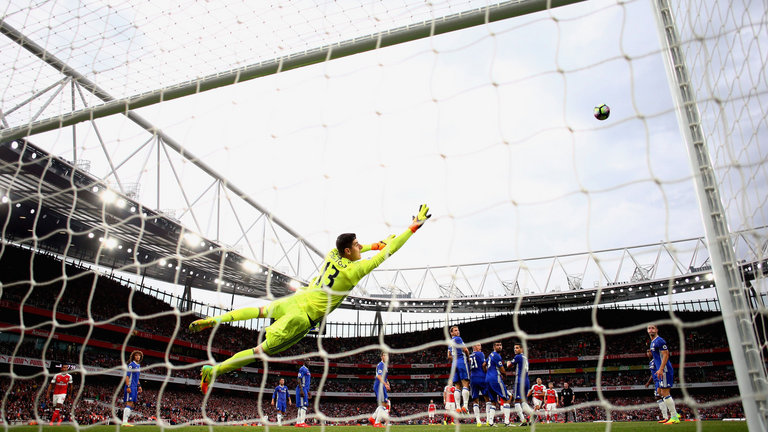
132,385
521,385
494,379
477,386
460,370
664,371
302,396
282,397
653,379
380,389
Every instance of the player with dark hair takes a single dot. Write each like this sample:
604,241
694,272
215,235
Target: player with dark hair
664,371
497,390
380,389
59,386
521,385
477,386
302,395
295,315
132,385
283,400
653,379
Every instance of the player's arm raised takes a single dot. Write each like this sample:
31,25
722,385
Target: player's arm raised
364,267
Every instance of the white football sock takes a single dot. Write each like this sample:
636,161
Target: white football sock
476,409
126,414
519,411
670,403
663,408
465,396
491,414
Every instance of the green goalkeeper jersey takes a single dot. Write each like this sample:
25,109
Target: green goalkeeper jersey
339,275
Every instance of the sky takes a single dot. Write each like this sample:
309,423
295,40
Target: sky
492,126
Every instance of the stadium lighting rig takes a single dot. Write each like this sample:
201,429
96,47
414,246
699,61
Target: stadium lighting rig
109,228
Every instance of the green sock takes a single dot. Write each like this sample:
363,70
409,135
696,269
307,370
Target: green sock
242,314
235,362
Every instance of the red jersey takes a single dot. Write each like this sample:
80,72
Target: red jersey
451,397
538,391
551,395
61,381
432,408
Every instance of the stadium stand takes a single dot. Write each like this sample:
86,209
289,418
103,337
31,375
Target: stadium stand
83,320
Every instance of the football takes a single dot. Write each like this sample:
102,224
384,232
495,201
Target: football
602,112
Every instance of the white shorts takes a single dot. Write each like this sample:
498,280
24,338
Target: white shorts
536,401
431,414
551,406
58,399
450,406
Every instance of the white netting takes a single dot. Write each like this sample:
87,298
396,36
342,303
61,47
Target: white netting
578,233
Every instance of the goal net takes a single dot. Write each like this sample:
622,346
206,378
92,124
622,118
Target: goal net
162,163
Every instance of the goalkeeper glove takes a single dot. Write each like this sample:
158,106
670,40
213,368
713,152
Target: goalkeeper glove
420,218
382,244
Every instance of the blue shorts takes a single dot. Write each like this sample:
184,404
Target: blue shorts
460,373
133,396
497,390
477,389
280,405
520,389
381,393
302,401
667,379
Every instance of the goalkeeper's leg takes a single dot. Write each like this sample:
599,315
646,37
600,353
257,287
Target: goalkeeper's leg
235,315
290,327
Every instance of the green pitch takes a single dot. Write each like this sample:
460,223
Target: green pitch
713,426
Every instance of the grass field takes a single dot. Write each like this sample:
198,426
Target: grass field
713,426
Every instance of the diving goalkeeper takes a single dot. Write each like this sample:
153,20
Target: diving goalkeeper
295,315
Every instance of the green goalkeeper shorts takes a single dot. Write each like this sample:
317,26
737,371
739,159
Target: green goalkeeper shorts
291,324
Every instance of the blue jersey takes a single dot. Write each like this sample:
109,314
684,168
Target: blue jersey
476,361
657,346
457,353
652,366
281,394
521,385
520,364
134,369
381,371
304,378
495,363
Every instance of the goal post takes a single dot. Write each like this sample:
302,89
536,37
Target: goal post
746,351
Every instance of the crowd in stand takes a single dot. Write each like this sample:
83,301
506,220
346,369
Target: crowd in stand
106,300
183,405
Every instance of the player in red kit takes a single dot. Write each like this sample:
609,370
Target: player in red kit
550,398
537,391
60,386
431,410
450,403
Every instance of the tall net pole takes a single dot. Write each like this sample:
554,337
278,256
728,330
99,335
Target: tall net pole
745,351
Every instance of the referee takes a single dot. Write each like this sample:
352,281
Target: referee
567,399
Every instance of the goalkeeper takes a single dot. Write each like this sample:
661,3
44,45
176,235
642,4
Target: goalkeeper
295,315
